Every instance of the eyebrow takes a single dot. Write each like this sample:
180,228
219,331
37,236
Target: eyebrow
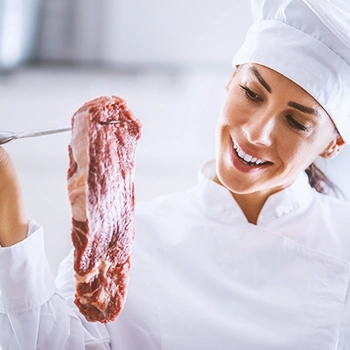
292,104
303,109
261,80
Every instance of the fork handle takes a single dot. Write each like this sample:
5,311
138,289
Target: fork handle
25,134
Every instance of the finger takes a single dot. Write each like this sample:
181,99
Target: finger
4,157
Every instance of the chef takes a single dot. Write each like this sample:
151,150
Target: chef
257,254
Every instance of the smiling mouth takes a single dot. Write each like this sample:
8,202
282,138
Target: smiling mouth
247,158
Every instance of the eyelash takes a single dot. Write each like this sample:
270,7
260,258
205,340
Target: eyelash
253,97
296,125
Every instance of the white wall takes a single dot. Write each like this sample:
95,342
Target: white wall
173,32
153,32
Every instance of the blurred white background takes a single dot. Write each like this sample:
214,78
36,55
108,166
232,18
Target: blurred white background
169,60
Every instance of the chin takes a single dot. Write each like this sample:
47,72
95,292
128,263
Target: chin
226,179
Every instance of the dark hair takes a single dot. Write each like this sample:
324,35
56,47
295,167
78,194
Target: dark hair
320,182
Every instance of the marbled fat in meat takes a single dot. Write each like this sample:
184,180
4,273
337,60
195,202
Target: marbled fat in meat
101,194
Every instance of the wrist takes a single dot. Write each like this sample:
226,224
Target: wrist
14,235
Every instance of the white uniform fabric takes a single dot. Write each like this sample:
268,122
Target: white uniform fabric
203,278
308,41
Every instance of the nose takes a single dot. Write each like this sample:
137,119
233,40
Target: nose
259,129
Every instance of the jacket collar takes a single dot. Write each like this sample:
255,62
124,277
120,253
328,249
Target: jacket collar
218,202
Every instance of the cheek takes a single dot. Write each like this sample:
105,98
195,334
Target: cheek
224,124
221,137
292,154
298,154
232,112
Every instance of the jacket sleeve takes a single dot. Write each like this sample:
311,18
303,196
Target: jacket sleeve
344,335
34,314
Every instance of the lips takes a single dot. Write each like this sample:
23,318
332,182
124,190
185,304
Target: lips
246,162
247,158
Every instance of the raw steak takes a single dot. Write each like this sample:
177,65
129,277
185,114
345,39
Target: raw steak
101,194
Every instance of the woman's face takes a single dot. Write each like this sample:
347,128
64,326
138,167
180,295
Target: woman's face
269,131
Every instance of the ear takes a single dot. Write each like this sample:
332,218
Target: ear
333,148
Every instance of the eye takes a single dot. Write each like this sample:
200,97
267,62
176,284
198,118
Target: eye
295,124
250,94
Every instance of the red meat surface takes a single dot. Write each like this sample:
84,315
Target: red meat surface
101,194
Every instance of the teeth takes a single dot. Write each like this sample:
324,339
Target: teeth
241,153
247,157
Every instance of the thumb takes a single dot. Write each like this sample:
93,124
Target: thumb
13,218
4,157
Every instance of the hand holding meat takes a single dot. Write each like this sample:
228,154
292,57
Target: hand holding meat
13,228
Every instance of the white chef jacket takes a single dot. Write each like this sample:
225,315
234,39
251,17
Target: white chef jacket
202,278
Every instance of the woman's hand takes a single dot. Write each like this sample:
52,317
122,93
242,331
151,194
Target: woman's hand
13,220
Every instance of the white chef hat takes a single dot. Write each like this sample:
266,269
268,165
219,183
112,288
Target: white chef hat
308,41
